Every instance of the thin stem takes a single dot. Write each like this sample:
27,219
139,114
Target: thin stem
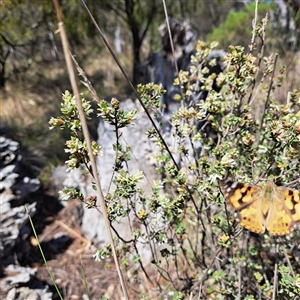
275,273
72,75
240,281
172,47
254,26
42,253
289,262
129,82
268,96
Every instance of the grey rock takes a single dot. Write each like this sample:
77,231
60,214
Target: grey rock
20,282
11,224
13,190
22,276
7,170
23,293
8,181
3,142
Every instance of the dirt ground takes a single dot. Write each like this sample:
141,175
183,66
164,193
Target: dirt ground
68,254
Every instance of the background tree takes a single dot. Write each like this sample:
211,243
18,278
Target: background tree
27,34
295,5
25,29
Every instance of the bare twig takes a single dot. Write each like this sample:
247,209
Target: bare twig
75,89
268,98
86,81
254,26
240,281
288,262
275,273
173,50
74,233
262,50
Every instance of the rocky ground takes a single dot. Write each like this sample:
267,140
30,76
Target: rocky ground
23,274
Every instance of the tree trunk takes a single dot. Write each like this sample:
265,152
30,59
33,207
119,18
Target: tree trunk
295,5
139,28
2,74
136,43
2,78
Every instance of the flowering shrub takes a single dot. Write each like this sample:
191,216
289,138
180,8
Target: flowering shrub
196,246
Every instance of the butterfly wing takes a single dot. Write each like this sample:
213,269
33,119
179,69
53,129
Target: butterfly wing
284,212
247,202
292,203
